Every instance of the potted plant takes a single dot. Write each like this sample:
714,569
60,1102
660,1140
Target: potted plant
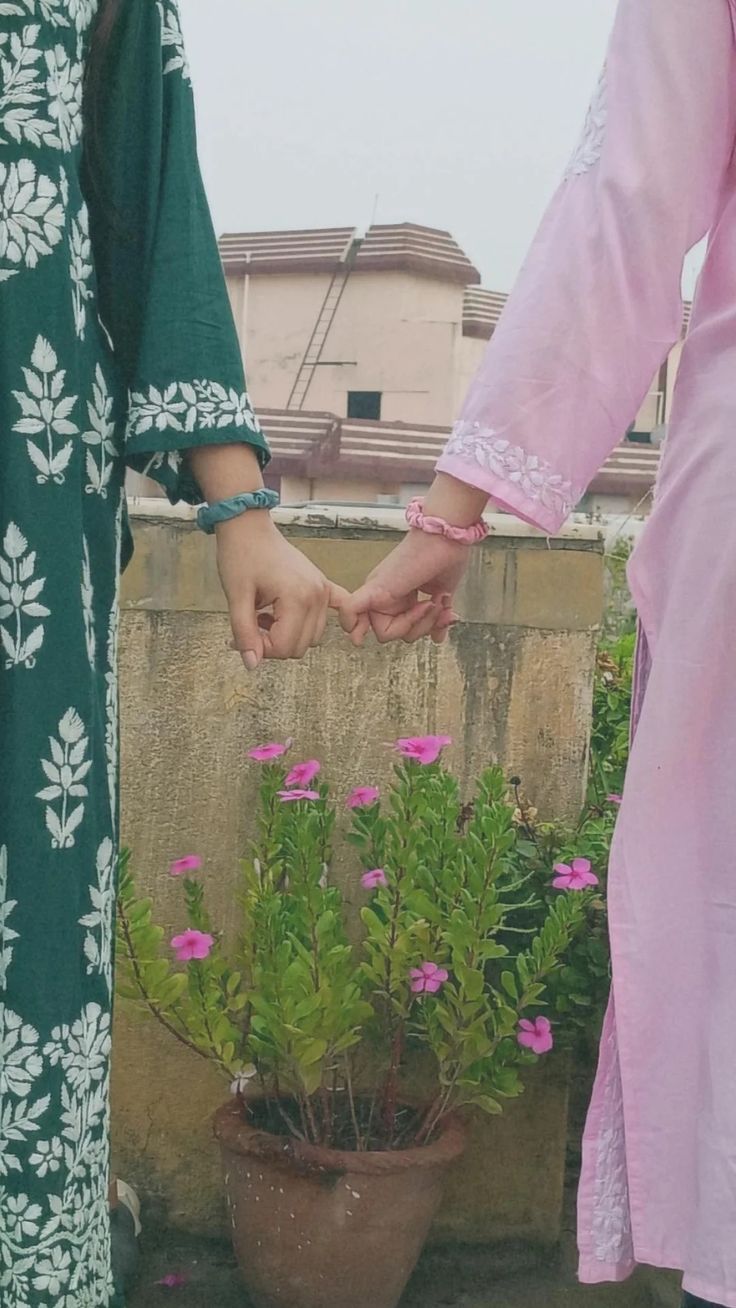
333,1170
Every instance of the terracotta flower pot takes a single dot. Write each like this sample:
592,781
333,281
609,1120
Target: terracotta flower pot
316,1227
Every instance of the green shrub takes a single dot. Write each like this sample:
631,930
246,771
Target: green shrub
458,955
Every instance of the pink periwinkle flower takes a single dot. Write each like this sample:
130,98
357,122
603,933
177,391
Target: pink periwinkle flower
362,796
267,753
303,773
428,978
574,876
192,945
173,1280
291,796
536,1035
372,880
422,749
615,799
181,867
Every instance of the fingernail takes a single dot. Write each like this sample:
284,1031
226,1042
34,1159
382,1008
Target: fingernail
250,659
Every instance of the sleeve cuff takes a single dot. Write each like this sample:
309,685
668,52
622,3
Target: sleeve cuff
517,483
163,424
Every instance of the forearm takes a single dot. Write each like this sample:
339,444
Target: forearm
225,470
457,502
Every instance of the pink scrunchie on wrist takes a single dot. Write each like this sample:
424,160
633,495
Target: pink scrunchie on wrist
416,517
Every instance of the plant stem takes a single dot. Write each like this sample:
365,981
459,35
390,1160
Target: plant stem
293,1128
311,1119
438,1110
371,1116
303,1115
203,998
391,1086
156,1012
527,826
324,1096
351,1101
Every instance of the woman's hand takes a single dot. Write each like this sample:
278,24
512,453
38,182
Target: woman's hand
278,600
389,602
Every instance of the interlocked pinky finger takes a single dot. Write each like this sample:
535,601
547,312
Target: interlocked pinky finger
423,627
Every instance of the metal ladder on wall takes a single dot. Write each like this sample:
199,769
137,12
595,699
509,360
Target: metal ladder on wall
322,326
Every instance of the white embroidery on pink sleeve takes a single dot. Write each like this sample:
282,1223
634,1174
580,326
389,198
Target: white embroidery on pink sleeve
612,1234
590,147
535,478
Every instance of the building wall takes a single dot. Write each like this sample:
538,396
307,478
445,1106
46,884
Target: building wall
673,368
469,354
394,332
513,684
397,333
275,316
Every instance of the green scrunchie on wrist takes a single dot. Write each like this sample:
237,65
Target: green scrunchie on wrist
210,515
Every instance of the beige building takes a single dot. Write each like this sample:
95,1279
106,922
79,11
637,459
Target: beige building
359,352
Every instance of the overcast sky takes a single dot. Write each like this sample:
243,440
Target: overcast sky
459,114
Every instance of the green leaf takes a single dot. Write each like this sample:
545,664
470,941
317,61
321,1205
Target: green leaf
154,973
311,1078
472,981
506,1082
172,990
488,1105
312,1052
492,950
375,927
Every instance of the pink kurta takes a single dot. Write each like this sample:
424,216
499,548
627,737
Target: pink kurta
595,312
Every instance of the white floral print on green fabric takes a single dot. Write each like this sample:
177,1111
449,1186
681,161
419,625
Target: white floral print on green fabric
21,610
66,771
99,921
46,412
111,675
7,935
80,269
100,438
54,11
65,78
187,406
81,12
24,90
172,39
88,606
58,1249
31,218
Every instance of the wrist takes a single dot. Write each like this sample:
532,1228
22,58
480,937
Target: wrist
455,501
255,525
225,470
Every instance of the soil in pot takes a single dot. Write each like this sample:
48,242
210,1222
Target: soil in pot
326,1228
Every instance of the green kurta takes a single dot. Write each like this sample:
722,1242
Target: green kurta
116,346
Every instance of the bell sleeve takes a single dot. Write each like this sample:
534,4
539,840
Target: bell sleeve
161,288
597,306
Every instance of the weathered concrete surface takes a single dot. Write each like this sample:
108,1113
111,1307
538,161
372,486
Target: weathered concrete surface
448,1276
512,685
444,1279
510,1182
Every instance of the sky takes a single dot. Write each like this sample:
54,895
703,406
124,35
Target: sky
458,114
